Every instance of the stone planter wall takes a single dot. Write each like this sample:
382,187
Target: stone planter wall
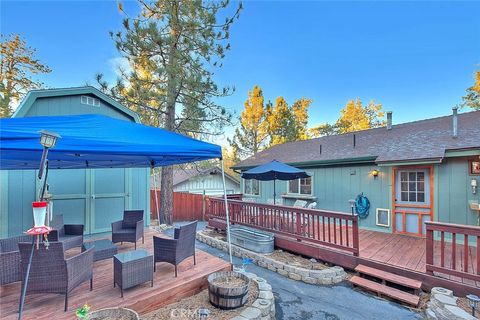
264,307
443,306
327,276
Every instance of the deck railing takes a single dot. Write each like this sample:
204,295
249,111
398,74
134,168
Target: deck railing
333,229
460,242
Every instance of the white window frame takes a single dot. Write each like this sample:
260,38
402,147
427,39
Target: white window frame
90,101
245,181
298,193
426,187
389,218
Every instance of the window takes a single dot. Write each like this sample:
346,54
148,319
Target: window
90,101
251,187
412,186
300,186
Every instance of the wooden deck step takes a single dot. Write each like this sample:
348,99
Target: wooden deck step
390,277
382,289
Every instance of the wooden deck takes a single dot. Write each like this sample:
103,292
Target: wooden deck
143,298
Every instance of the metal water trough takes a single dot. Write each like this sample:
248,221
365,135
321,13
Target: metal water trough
252,239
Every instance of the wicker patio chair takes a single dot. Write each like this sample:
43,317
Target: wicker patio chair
70,234
50,272
10,259
130,229
176,250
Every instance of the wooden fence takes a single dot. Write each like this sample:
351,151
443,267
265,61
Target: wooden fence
448,250
186,206
333,229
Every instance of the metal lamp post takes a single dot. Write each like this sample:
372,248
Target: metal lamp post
473,301
47,140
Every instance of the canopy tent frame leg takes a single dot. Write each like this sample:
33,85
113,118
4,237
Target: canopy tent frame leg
226,213
156,197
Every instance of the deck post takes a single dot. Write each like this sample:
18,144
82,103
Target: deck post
355,241
429,248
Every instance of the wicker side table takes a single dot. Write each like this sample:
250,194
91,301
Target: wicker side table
132,268
103,249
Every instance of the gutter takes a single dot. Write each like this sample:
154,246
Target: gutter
360,160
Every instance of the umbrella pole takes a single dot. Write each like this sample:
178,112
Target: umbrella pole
274,192
227,214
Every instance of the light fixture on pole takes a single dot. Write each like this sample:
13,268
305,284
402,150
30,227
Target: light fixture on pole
47,140
473,301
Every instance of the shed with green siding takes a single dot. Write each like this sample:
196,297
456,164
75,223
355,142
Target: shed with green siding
93,197
411,173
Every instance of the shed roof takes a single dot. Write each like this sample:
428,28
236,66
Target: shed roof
33,95
424,140
181,175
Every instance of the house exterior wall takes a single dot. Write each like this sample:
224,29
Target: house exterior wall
333,186
93,197
453,192
212,184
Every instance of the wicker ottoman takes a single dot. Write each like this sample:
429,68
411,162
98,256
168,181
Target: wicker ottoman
132,268
103,249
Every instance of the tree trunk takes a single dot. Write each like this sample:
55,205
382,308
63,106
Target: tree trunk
166,192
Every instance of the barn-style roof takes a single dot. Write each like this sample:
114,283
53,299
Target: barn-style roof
33,95
425,140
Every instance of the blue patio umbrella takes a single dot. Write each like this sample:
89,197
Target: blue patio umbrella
274,170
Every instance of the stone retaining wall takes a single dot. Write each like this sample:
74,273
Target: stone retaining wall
264,307
327,276
443,306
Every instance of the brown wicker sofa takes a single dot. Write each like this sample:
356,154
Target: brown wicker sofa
50,272
179,248
70,234
10,270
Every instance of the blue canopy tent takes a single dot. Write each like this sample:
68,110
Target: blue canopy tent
274,170
96,141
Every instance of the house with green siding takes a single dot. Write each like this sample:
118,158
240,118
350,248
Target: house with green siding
412,172
93,197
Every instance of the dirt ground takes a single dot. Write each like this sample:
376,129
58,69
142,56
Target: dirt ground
187,309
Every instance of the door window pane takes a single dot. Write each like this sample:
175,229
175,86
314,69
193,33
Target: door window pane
404,186
404,196
412,197
420,186
421,197
412,176
420,176
404,176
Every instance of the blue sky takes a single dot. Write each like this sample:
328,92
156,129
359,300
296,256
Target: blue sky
415,58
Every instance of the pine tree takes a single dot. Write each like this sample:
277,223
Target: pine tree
173,47
17,66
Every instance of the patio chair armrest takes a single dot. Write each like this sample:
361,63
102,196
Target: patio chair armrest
117,225
139,228
164,244
53,236
80,263
74,229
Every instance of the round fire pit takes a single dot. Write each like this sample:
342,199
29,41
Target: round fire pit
228,289
114,313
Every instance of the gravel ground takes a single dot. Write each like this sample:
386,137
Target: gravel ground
297,300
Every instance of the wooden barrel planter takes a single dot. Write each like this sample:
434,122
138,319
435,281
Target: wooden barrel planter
113,313
228,289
